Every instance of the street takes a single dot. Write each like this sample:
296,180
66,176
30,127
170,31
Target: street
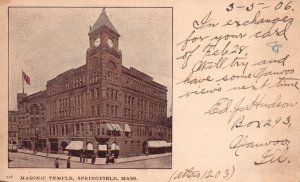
22,160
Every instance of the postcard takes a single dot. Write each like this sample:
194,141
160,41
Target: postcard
150,91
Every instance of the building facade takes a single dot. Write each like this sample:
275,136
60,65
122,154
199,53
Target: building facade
13,127
100,107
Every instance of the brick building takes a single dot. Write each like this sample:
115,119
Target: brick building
13,127
99,107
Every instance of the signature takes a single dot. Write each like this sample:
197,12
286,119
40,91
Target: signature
223,105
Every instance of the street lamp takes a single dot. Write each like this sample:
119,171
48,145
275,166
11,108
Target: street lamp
85,144
115,131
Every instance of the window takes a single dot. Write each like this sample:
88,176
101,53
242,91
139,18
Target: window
77,127
53,129
67,129
98,128
91,127
97,93
62,130
81,127
57,131
116,111
98,109
92,94
107,109
93,110
103,129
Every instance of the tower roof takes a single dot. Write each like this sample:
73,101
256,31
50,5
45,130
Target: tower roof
103,20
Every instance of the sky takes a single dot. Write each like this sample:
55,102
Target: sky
44,42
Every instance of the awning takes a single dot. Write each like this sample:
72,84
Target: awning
157,144
162,143
89,146
119,127
102,147
169,144
109,127
114,146
127,128
153,144
113,126
75,145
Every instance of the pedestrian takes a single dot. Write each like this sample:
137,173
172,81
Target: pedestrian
69,162
93,159
112,158
80,156
56,163
47,150
107,159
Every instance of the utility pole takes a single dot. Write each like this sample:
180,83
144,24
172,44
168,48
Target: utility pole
115,142
86,144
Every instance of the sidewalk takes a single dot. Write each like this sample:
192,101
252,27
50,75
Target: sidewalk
98,161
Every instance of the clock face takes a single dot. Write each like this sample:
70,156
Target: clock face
110,43
97,42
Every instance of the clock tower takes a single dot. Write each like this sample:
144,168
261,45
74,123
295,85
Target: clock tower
104,65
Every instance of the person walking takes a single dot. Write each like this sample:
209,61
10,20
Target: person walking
112,159
56,163
93,159
80,156
107,158
69,162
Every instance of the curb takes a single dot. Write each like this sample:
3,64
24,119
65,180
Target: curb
170,154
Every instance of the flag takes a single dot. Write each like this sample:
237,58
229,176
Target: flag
26,77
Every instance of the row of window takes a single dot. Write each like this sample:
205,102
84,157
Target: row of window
144,104
97,128
128,113
77,82
12,134
141,87
64,102
96,110
128,100
94,78
111,110
112,94
111,76
95,93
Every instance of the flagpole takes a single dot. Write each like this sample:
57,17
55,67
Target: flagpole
22,82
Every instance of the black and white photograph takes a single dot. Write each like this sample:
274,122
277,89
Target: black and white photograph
90,87
149,91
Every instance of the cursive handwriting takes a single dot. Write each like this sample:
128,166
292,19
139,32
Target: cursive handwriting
192,173
241,142
271,156
241,123
223,105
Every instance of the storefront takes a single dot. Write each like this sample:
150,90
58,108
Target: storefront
75,148
102,151
53,145
157,146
